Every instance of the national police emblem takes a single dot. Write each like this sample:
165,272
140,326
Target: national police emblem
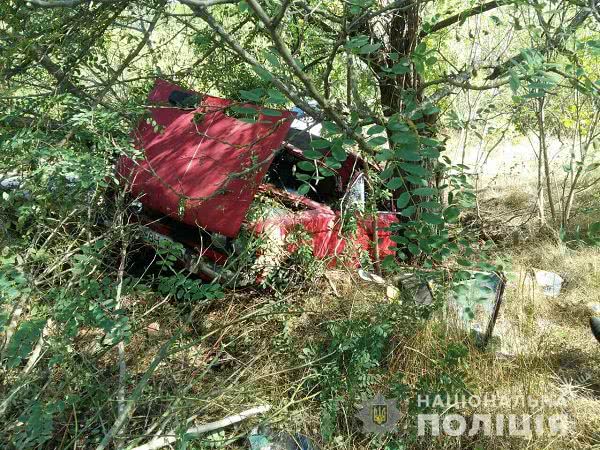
378,415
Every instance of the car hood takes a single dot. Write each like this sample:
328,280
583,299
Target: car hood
201,165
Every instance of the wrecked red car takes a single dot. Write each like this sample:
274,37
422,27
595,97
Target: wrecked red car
208,177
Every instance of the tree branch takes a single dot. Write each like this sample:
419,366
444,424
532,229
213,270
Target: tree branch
465,84
64,3
306,81
557,42
72,3
160,442
125,64
463,15
249,59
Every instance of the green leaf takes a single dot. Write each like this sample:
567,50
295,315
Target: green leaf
375,129
400,69
403,200
417,181
424,191
276,97
369,48
357,42
312,154
332,163
513,81
271,112
430,152
399,239
415,169
386,173
409,155
433,219
23,341
384,155
395,183
243,110
272,58
451,213
303,189
339,153
414,249
331,127
376,141
408,212
320,143
254,95
430,205
306,166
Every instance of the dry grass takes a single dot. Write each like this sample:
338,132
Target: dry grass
549,347
545,350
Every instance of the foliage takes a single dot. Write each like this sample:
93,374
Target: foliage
354,357
386,82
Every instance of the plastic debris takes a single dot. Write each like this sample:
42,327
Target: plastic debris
550,282
595,326
423,295
409,282
594,308
475,301
264,438
371,277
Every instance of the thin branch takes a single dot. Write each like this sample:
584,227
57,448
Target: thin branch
306,81
164,441
125,64
557,42
248,58
280,15
72,3
64,3
463,15
465,85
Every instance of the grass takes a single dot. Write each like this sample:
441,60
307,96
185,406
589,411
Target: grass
545,350
309,345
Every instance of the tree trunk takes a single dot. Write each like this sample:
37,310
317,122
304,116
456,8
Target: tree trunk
403,37
544,156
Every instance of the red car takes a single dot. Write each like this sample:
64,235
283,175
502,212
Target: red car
205,169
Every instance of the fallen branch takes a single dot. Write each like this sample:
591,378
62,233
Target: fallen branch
206,428
37,351
332,286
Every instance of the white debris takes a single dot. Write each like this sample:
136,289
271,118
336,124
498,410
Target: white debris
392,292
550,282
370,277
594,308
